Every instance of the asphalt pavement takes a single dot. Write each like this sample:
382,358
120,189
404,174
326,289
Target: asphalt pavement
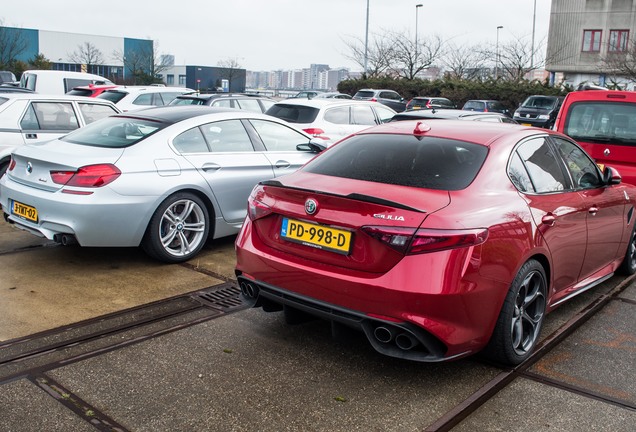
107,339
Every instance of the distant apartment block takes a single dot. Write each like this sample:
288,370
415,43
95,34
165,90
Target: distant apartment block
316,77
583,37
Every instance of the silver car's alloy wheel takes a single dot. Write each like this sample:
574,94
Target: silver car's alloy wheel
182,228
528,313
178,229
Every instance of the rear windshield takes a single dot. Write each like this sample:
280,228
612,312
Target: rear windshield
540,102
294,113
187,101
405,160
114,132
474,105
602,122
80,92
364,94
113,96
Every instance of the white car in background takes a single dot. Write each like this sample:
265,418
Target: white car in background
331,119
35,118
131,98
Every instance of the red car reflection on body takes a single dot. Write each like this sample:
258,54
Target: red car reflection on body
438,240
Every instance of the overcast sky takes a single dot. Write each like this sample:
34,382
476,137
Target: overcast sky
279,34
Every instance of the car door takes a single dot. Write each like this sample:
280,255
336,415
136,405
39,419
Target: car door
605,208
558,211
223,153
279,146
47,120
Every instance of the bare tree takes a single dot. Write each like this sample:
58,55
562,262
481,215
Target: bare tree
463,62
12,44
515,59
408,59
620,64
87,54
377,58
230,68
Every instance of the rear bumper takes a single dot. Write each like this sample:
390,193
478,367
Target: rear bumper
438,299
402,340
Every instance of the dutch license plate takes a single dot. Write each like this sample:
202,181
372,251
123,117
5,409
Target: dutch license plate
317,236
24,211
526,124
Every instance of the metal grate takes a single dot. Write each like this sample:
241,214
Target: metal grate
224,297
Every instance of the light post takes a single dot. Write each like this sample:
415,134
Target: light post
497,54
366,43
417,8
534,22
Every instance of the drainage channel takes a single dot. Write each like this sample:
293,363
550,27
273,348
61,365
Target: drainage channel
48,350
456,415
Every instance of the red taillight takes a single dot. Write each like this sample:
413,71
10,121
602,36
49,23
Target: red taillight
411,241
255,208
373,100
316,133
429,240
11,165
396,237
87,176
428,104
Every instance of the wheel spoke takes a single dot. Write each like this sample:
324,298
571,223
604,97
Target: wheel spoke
195,227
167,239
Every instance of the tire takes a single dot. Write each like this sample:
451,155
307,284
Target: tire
628,266
178,229
3,168
519,324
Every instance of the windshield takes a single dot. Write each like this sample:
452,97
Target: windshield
186,101
602,122
541,102
114,132
113,96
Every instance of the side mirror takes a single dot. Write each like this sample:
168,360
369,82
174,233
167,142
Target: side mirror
611,176
311,147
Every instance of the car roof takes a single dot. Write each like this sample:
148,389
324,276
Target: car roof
177,113
483,133
601,95
320,103
206,96
43,96
444,114
149,89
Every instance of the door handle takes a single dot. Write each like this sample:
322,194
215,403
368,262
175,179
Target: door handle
282,164
593,210
549,219
211,167
31,136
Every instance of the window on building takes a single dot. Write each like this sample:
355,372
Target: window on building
592,40
182,80
618,40
170,79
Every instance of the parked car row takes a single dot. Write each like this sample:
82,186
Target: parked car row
399,225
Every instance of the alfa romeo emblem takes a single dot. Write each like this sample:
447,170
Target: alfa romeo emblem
311,206
29,168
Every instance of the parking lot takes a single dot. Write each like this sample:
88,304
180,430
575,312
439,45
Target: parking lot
108,339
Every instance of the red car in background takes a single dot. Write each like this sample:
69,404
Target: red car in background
91,90
603,122
438,239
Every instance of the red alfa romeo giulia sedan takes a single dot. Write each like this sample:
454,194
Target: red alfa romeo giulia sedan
438,239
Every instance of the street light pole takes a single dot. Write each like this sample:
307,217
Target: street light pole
417,8
497,54
534,22
366,43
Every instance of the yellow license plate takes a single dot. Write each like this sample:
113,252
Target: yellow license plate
526,124
24,211
317,236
